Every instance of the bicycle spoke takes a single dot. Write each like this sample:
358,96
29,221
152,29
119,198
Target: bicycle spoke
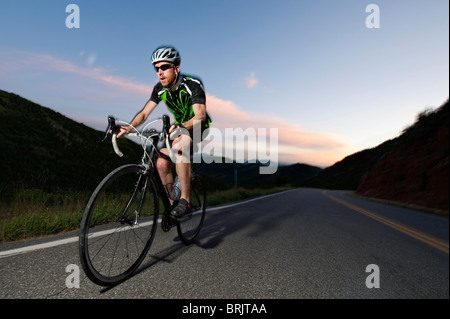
115,241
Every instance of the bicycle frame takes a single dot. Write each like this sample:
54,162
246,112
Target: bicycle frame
149,159
111,254
162,192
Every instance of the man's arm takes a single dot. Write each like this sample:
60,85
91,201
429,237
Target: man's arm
140,118
199,115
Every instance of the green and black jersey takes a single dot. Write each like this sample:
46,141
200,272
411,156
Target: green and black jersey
180,99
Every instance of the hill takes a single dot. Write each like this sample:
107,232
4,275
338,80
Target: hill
412,168
41,148
247,174
347,173
416,171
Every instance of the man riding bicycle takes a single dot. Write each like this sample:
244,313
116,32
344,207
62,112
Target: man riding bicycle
186,99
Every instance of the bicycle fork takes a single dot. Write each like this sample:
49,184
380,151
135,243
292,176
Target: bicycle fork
138,189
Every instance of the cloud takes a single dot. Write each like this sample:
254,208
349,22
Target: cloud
27,60
295,144
251,81
228,114
93,73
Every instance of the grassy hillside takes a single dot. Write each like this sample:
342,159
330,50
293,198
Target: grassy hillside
43,149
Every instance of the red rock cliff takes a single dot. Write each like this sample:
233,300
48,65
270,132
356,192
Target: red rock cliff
416,172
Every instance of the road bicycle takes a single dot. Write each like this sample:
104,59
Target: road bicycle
121,217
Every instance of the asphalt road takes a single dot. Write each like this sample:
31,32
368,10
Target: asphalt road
300,244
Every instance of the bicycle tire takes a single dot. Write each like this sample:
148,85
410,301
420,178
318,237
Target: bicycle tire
113,240
189,226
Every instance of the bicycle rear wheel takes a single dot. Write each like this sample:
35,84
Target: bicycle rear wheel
189,226
118,225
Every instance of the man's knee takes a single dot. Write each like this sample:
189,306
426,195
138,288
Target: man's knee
182,148
163,165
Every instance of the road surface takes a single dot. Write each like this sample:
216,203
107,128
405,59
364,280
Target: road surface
299,244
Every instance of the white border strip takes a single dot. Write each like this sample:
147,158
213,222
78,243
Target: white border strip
27,249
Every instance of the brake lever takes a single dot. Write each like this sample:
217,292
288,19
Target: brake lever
111,126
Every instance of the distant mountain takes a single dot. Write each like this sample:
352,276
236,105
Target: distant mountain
248,175
412,168
41,148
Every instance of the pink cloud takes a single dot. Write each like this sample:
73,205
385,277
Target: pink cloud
252,81
295,143
25,60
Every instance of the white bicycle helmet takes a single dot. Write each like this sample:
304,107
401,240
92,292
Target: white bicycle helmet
168,54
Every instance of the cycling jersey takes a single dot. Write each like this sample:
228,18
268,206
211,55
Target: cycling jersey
181,97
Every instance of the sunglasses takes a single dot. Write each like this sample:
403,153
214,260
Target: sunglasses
163,67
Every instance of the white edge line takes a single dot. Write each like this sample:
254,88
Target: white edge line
27,249
245,202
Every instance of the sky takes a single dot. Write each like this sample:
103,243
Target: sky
334,77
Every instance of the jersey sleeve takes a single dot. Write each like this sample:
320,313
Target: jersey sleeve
198,93
155,96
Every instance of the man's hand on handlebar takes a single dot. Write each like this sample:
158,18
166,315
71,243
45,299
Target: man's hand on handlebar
176,130
122,130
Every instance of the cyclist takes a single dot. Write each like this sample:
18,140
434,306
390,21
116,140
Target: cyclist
186,99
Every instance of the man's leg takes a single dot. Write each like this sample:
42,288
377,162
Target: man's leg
164,167
181,147
184,175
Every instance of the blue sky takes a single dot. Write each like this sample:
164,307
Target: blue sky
312,69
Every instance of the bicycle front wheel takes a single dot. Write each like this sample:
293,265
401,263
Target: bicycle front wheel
189,226
118,225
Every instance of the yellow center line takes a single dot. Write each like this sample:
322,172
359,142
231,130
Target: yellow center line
428,239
